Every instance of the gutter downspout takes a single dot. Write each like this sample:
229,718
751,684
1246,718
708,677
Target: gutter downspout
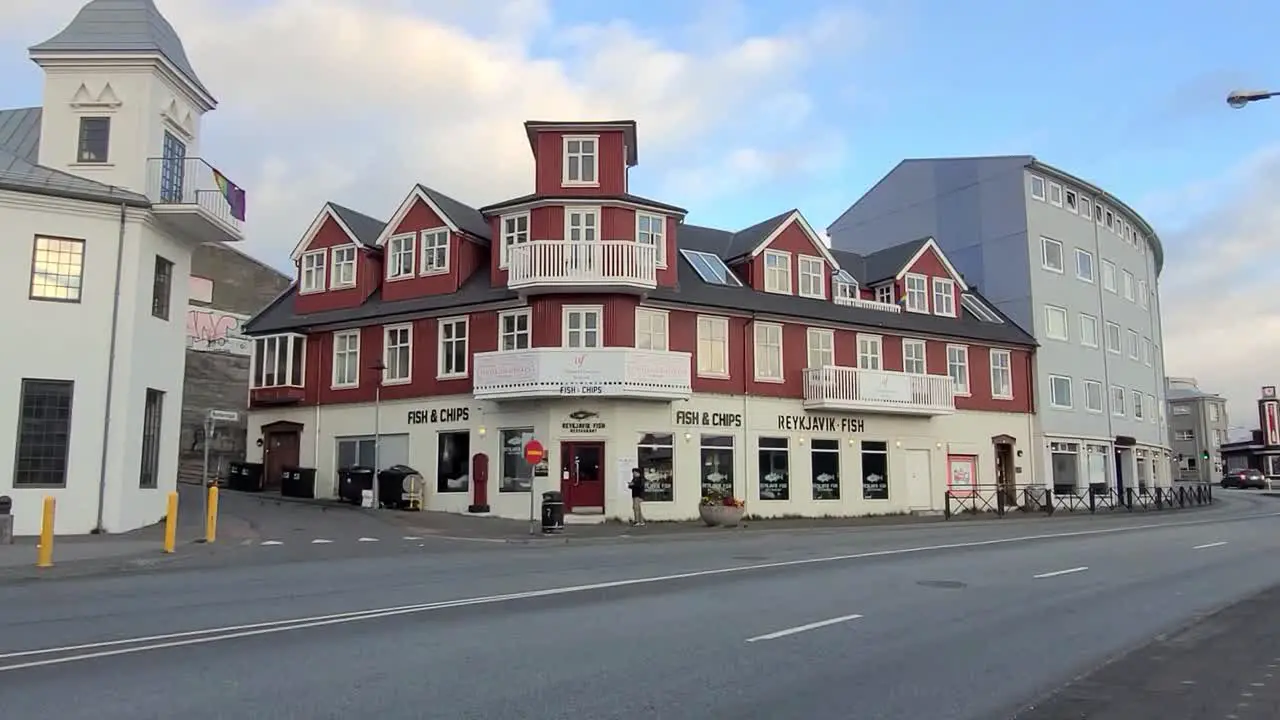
111,372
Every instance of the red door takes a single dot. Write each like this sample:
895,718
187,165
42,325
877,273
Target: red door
582,475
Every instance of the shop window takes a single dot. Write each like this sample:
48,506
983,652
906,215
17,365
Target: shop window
774,469
875,470
1066,467
363,451
654,455
824,457
453,456
517,475
716,461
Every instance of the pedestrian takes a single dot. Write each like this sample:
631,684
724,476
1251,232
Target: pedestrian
637,496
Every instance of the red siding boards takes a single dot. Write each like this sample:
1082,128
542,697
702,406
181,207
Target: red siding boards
330,235
794,240
618,321
611,164
421,217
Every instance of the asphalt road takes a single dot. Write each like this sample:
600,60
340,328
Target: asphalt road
966,621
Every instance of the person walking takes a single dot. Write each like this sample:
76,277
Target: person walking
637,496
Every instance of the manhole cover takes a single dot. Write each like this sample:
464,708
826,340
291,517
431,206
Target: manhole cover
943,584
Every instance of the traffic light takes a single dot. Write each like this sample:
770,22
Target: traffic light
1204,455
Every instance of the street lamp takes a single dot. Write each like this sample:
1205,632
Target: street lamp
1239,98
378,367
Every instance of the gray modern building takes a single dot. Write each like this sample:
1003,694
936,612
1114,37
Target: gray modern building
1197,430
1075,267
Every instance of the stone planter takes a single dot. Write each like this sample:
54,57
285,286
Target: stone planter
721,515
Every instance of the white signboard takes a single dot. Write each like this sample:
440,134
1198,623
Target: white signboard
210,330
884,386
594,372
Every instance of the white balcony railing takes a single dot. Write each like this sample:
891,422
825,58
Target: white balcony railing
868,304
886,391
198,201
562,263
590,372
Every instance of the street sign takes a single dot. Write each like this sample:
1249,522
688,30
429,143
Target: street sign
534,452
224,415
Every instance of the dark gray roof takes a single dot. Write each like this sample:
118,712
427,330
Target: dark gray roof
880,265
122,26
1175,394
20,132
365,228
745,241
467,218
624,197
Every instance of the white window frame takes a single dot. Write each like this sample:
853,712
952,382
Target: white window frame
1146,351
958,369
1117,408
1089,276
1038,182
822,343
844,292
342,262
653,325
442,355
512,235
1071,200
342,350
712,330
1086,208
314,272
387,378
867,359
765,345
1142,294
1127,285
1108,276
433,235
1055,190
1133,343
584,311
1045,244
1055,383
516,333
1089,321
772,272
1053,311
917,297
1138,402
1096,387
592,229
594,154
910,346
944,297
657,238
1117,348
810,267
396,249
884,294
1000,364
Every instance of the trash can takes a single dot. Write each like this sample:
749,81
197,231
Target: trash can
235,475
6,520
252,478
552,512
353,481
400,488
298,482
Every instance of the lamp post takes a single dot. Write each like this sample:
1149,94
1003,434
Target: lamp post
1239,98
378,367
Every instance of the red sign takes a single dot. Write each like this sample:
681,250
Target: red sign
534,452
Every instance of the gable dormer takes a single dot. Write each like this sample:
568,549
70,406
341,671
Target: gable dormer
431,246
582,159
337,263
783,255
928,283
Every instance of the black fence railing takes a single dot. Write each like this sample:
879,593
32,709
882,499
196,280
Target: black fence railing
982,499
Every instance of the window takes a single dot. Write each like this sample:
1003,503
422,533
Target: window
958,368
278,361
400,257
44,433
652,230
1037,187
1084,265
979,309
173,169
844,291
1088,330
435,252
582,327
453,462
884,294
1055,194
917,293
1001,374
161,288
580,161
1184,435
95,140
513,330
581,224
1065,467
1086,208
1113,338
1108,276
346,358
1138,404
1215,414
913,356
655,456
515,231
453,347
869,352
1142,294
875,470
713,346
774,468
152,422
1055,323
1096,465
1060,391
344,267
1181,410
57,268
368,452
1128,286
824,464
1093,396
812,283
1111,221
1051,255
711,268
822,348
777,272
1073,201
651,329
1117,401
517,474
1133,344
768,351
313,271
1151,413
944,297
397,355
716,460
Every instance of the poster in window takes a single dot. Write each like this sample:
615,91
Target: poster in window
517,474
716,462
774,469
875,471
454,455
654,456
825,462
961,470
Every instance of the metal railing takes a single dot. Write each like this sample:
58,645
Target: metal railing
834,386
868,304
569,263
982,499
194,182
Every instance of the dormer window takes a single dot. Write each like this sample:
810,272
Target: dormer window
580,153
844,289
944,297
811,280
777,272
917,293
884,294
400,257
435,251
344,268
95,140
313,272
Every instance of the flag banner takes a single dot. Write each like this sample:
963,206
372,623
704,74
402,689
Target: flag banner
233,193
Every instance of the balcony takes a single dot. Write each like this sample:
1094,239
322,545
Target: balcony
849,389
600,266
590,372
868,304
277,370
194,201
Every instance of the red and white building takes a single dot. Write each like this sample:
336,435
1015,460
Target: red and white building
807,381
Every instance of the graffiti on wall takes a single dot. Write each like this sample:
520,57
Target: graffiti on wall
210,330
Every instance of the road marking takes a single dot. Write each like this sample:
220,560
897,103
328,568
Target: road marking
411,537
1056,573
320,541
208,635
368,539
272,542
1209,545
803,628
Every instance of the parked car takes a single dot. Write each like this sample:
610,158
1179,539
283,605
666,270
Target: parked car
1245,479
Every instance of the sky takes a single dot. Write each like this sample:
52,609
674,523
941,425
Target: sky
746,109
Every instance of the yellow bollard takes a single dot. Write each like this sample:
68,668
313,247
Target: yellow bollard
44,553
211,520
171,524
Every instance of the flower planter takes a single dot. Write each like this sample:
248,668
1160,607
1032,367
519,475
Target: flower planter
721,515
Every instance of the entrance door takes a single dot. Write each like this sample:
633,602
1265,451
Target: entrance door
281,449
582,476
1121,478
919,480
1006,475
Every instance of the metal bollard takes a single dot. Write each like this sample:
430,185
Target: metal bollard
44,553
211,519
171,524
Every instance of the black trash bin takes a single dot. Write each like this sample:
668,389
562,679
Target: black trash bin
353,481
252,479
6,505
298,482
552,512
235,475
400,488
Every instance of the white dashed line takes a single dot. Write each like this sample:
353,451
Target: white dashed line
1056,573
321,541
410,538
803,628
1209,545
368,539
272,542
